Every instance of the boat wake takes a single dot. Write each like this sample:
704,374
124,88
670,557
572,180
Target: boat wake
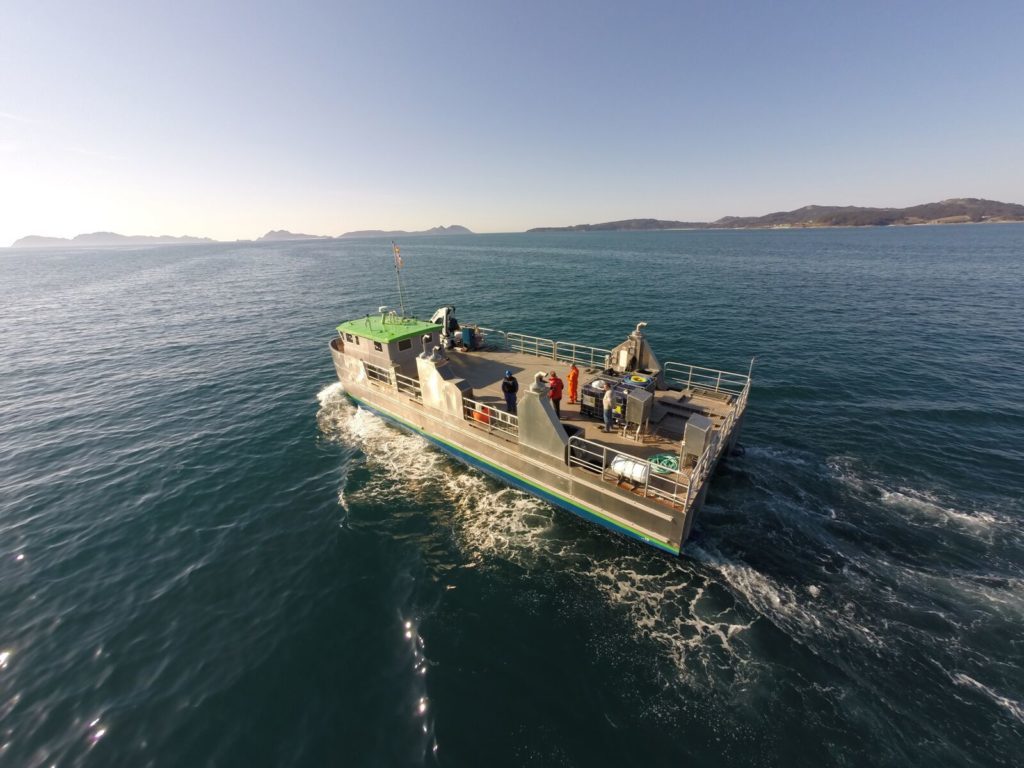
933,510
709,612
681,609
485,518
926,508
330,395
697,625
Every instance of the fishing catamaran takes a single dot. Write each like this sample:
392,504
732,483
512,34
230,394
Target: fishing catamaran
645,478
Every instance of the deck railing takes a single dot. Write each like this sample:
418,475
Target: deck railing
671,486
741,403
549,349
377,373
408,386
697,377
530,345
488,416
684,374
580,354
492,337
700,471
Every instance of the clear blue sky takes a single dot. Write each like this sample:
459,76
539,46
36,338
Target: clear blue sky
227,119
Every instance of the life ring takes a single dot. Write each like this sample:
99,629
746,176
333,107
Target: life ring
483,415
663,463
638,379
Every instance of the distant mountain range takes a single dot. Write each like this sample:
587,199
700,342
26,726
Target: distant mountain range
957,211
283,234
103,239
454,229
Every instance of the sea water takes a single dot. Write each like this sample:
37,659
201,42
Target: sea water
208,556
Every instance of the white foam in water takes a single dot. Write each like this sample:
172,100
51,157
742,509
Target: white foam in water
784,607
387,447
330,394
486,520
504,522
666,604
665,600
1014,708
775,454
931,507
841,469
927,507
993,596
490,522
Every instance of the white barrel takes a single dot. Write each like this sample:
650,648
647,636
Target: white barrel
635,470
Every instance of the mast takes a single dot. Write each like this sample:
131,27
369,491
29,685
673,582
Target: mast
398,275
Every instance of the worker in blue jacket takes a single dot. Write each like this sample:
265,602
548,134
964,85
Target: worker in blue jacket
510,387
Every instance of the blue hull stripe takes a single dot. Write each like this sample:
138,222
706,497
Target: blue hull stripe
533,490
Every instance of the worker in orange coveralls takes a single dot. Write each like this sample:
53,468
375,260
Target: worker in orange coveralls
573,379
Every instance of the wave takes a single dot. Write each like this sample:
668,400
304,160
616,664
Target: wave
697,611
681,611
928,507
932,507
331,394
798,616
485,518
781,455
1014,708
841,469
665,600
392,454
504,522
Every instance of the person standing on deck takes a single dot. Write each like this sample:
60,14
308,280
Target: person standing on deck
510,387
555,393
572,379
608,401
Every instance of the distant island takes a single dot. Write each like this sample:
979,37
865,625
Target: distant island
962,210
103,239
957,211
454,229
283,234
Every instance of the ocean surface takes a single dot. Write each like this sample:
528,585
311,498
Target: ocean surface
209,557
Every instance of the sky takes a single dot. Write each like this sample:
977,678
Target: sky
228,119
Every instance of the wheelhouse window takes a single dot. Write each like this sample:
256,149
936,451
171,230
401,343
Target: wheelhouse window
378,346
348,337
404,344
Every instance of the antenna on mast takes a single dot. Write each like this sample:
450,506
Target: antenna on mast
398,275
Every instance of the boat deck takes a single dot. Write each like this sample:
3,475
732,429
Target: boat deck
616,479
484,369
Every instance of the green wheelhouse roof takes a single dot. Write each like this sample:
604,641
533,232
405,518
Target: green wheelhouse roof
387,329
